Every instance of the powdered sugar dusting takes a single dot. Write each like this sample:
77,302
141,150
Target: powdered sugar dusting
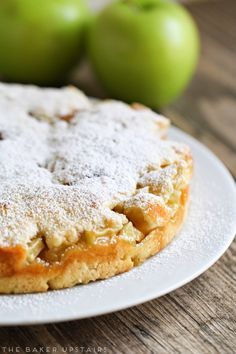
59,176
45,103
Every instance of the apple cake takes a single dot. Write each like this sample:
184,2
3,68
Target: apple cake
88,189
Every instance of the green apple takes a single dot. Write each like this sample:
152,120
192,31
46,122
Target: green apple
144,50
40,40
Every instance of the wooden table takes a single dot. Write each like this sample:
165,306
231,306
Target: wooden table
201,316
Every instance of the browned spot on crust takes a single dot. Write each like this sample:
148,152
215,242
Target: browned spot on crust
138,106
68,117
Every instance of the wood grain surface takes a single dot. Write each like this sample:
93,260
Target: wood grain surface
201,316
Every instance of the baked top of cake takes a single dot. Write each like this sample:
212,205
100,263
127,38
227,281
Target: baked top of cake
74,171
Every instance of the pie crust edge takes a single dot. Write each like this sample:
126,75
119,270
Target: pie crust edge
81,267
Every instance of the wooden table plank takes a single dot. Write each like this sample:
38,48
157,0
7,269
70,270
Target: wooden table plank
199,317
207,110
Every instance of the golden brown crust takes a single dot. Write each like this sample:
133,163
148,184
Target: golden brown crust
84,264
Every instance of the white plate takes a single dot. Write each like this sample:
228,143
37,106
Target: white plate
209,229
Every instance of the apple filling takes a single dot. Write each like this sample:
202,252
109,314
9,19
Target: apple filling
155,202
35,247
131,234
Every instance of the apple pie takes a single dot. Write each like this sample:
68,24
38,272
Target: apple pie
88,189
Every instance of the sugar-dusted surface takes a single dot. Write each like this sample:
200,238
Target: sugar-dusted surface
44,103
206,234
63,176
